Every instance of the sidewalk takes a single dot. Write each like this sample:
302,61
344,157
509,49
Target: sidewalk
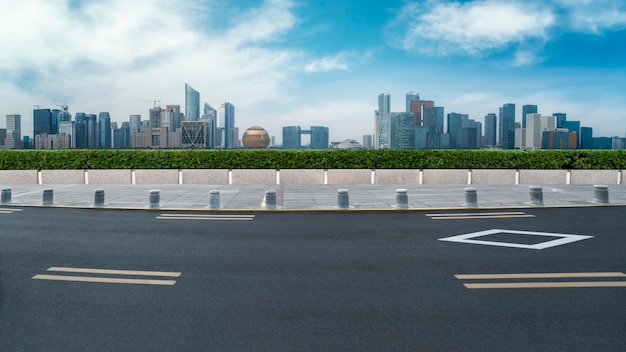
308,197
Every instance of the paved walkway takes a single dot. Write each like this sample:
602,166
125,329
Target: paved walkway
308,197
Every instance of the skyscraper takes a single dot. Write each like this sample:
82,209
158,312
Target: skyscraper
230,136
192,104
14,132
42,121
402,130
382,129
319,137
586,137
560,119
416,108
210,118
410,96
291,137
506,122
490,130
527,109
104,130
134,122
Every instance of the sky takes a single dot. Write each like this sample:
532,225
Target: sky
316,63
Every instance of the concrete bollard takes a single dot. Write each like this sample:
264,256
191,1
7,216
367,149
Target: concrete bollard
155,198
98,198
402,198
601,194
471,197
270,199
343,199
536,195
214,199
48,197
6,196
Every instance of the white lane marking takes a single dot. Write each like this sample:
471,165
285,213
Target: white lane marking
213,217
472,214
108,280
10,209
561,239
538,276
114,272
482,217
547,284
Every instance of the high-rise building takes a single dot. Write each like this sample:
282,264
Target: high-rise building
527,109
368,141
210,117
13,139
194,134
42,121
382,126
319,137
573,126
231,138
104,130
171,117
506,122
456,123
291,137
417,106
192,104
135,122
402,130
68,128
433,117
586,137
560,119
490,130
155,117
410,96
93,135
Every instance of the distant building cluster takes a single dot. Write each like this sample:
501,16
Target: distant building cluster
421,126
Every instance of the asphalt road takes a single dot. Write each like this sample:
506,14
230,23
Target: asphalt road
335,281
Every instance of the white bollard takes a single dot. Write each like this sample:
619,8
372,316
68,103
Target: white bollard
48,197
343,199
214,199
270,199
98,198
6,196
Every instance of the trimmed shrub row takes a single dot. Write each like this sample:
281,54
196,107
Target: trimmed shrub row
311,159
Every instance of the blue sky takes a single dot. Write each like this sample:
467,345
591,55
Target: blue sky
289,62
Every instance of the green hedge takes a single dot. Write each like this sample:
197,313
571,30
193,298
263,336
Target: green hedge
314,159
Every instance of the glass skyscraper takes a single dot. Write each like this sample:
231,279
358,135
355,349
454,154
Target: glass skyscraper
506,122
383,122
192,104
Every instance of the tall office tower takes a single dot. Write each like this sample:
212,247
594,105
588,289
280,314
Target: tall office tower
560,119
93,135
210,118
456,123
558,138
80,137
69,129
573,126
416,108
527,109
171,117
402,130
192,104
534,131
14,132
319,137
155,117
433,117
59,116
368,141
291,137
104,130
410,96
135,122
42,121
382,128
490,130
506,122
472,134
586,137
54,129
230,136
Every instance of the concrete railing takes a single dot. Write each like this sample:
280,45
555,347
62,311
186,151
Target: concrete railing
313,176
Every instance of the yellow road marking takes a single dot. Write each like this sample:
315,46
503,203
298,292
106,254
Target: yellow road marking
105,280
114,272
537,276
547,284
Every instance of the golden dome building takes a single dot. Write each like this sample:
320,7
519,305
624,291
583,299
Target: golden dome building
256,137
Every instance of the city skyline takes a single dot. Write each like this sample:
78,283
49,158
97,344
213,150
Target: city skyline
285,63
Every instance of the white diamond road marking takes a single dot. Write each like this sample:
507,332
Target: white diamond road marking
563,239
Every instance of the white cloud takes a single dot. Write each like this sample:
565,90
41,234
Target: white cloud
473,28
594,16
328,63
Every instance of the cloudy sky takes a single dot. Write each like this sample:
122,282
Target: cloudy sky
295,62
